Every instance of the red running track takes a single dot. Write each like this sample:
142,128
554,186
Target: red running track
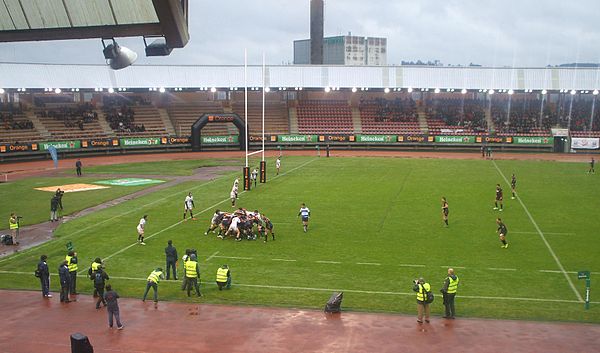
33,324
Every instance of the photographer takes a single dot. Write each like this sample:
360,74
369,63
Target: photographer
13,223
54,209
423,290
59,194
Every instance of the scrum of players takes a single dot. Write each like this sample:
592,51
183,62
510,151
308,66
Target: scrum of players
241,224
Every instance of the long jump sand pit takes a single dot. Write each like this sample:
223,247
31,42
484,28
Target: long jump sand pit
73,187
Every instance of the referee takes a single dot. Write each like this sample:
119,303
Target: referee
305,213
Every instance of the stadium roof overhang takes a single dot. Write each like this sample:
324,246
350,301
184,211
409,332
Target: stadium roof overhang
40,76
39,20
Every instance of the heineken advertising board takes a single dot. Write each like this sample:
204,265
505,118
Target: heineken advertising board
376,138
297,138
139,141
220,140
61,145
533,140
455,139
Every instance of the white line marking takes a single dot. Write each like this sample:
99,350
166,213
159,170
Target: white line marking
537,228
334,290
410,265
501,269
369,263
233,257
547,233
287,260
328,262
211,256
453,267
206,209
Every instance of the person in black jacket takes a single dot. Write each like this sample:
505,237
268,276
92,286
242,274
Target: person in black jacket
100,278
54,209
65,281
171,254
44,275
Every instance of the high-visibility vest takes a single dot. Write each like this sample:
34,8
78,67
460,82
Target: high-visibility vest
453,285
13,223
222,274
72,266
422,289
155,276
190,269
95,266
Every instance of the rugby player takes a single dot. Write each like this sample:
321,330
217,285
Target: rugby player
445,211
305,213
499,197
215,221
502,232
188,205
278,164
513,186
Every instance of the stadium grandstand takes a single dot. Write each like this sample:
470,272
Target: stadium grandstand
429,107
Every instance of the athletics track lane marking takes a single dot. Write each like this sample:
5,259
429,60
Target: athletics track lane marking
201,212
537,228
336,289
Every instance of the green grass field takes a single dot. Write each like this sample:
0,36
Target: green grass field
376,225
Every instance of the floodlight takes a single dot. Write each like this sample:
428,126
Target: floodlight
437,90
118,57
57,91
327,89
510,91
463,91
2,91
354,89
386,90
212,89
267,89
573,92
162,90
544,91
491,91
409,90
111,90
595,93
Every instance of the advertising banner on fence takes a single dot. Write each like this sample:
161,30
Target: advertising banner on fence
140,141
297,138
533,140
376,138
99,143
585,143
455,139
413,138
336,138
175,140
220,140
19,147
61,145
258,138
492,139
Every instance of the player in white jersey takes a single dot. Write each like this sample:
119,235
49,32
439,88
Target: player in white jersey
305,213
141,227
253,176
233,227
233,194
278,164
188,205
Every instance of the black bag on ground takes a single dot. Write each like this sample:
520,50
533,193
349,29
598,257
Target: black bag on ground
6,239
334,303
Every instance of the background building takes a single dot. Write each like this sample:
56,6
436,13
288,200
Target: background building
345,50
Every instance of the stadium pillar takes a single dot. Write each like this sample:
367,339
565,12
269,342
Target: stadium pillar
247,178
263,172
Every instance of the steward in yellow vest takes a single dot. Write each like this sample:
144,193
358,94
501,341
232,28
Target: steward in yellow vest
13,224
449,292
153,280
224,277
192,273
71,259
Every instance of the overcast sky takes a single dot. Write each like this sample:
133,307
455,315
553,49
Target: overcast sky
491,33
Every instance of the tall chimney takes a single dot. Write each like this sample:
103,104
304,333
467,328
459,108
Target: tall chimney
316,32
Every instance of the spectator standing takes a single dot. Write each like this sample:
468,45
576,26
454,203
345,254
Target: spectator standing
100,278
112,307
449,292
65,280
78,166
44,275
171,255
422,288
